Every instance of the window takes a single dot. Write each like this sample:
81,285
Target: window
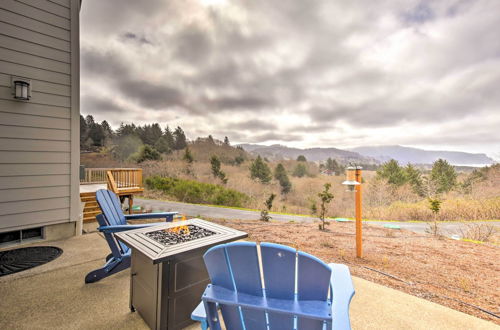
19,236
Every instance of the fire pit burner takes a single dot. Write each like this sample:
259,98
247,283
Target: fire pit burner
167,273
180,234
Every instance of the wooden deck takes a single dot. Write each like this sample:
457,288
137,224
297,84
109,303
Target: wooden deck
124,182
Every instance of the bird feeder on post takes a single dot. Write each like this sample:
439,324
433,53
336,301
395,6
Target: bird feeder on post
353,183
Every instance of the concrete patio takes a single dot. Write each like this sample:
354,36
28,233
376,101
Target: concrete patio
54,296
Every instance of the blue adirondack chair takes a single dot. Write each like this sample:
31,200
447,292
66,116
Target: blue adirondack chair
301,291
112,220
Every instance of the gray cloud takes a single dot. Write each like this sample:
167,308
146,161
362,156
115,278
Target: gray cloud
129,36
151,95
100,105
308,66
252,125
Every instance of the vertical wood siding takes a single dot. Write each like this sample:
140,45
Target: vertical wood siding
39,154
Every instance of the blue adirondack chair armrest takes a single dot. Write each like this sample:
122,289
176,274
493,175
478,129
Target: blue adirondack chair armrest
169,216
119,228
200,315
314,309
342,293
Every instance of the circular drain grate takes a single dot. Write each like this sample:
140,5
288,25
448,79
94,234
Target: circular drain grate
17,260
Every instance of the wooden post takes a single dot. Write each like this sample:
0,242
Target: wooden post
130,203
359,226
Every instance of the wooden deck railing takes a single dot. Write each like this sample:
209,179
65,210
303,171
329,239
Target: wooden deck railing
117,179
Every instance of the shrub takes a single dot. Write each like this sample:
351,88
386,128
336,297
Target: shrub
188,157
300,171
147,153
192,191
301,158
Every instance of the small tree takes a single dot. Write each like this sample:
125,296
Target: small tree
300,170
444,176
264,214
325,198
314,208
301,158
188,157
216,169
226,141
259,170
147,153
435,207
282,177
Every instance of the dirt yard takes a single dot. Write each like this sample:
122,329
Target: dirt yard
448,272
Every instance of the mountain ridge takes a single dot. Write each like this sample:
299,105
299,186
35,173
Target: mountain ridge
413,155
370,154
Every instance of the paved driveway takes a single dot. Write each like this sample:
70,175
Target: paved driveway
195,210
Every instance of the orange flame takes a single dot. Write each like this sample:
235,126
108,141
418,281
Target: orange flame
180,230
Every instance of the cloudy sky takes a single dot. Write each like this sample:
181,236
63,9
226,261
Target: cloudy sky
300,73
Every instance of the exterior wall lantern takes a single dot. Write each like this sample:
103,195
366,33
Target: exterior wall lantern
21,88
353,182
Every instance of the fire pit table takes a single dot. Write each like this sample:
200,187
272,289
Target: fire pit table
168,275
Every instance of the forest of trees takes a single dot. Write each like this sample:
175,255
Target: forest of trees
148,141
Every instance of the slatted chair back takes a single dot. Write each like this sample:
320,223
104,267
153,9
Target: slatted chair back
113,216
288,274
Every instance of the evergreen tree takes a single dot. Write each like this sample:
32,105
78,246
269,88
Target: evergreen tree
259,170
162,145
180,139
188,157
333,166
414,177
282,177
300,170
301,158
169,137
147,152
392,172
126,129
83,132
325,197
216,169
226,141
443,175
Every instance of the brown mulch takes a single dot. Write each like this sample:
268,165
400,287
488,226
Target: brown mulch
441,270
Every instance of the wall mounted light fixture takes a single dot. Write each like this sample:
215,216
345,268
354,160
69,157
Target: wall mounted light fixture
21,88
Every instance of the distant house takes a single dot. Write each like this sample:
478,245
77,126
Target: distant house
39,119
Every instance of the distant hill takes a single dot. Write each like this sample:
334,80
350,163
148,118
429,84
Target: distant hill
406,155
278,151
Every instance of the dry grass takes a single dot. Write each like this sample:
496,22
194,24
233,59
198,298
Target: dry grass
380,200
479,232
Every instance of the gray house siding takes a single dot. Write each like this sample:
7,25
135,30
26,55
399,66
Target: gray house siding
39,138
